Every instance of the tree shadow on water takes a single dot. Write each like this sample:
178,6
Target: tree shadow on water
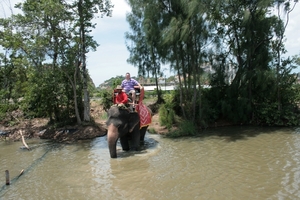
236,133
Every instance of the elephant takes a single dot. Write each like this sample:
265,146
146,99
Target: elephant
123,124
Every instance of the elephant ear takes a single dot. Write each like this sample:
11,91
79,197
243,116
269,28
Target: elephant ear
134,120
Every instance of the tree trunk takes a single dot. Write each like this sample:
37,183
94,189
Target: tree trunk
86,102
75,96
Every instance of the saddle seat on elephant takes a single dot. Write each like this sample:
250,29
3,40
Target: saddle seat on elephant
140,108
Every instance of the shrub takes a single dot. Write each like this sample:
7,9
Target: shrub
166,116
106,99
186,128
152,131
166,111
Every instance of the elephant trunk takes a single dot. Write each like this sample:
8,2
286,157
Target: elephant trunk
112,137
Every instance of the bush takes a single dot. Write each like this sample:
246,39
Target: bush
186,128
268,114
106,99
152,131
7,108
166,111
166,116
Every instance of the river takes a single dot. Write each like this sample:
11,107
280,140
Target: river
222,163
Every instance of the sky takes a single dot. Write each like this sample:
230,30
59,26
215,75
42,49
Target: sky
110,58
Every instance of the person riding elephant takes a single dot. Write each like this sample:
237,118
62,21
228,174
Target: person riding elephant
129,126
121,97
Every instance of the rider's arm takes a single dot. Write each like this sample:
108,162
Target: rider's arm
141,87
139,84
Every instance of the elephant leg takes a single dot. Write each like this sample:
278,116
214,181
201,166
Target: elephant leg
112,138
135,138
124,143
143,133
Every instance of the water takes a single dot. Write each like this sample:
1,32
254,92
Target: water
224,163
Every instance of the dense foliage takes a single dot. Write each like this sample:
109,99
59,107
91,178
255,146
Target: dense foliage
43,62
234,46
239,42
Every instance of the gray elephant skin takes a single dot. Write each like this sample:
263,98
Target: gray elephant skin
124,125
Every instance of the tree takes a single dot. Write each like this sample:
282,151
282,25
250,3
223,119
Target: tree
278,46
175,33
86,11
58,32
144,41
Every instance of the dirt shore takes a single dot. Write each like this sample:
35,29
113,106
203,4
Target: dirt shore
38,128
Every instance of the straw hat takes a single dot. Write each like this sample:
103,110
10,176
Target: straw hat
119,87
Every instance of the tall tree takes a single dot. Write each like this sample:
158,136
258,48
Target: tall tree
144,40
175,32
185,35
246,32
55,31
86,10
287,7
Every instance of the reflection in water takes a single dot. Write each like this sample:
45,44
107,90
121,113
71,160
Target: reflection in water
291,181
235,162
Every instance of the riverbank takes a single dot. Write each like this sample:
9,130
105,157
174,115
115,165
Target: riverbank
39,128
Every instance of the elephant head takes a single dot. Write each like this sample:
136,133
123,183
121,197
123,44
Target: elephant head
124,125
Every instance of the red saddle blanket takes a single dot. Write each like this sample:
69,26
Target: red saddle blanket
143,111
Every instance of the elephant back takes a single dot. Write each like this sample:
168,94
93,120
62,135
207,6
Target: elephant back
116,111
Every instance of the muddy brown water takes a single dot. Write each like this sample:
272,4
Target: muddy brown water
226,163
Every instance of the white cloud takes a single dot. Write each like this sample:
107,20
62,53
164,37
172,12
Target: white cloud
120,8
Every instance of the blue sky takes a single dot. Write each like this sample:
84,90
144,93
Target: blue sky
110,58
